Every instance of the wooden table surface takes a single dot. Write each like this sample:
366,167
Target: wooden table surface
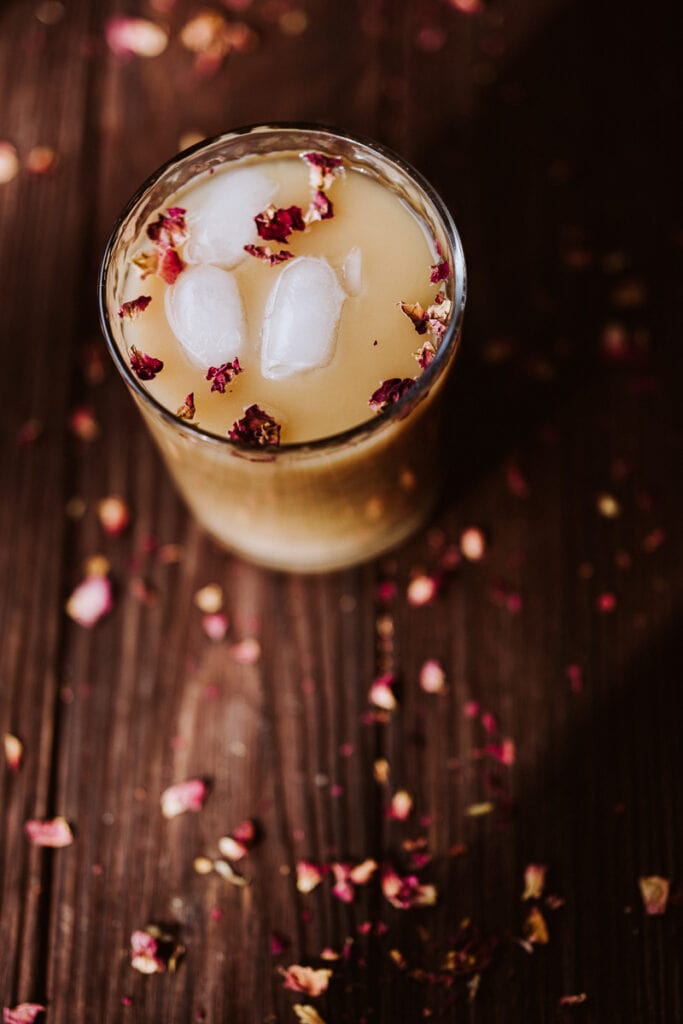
553,131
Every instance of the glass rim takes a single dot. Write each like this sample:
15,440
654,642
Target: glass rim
376,422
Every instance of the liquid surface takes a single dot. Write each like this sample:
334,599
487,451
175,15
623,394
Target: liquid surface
379,253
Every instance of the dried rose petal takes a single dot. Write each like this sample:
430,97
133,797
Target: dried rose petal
534,881
225,869
240,841
146,262
209,598
535,928
473,544
307,979
14,752
323,169
576,1000
655,893
425,356
407,891
389,392
90,601
215,625
23,1013
417,314
134,307
221,376
401,806
441,270
246,652
187,410
381,693
169,229
432,676
308,875
40,160
307,1014
169,265
363,872
54,833
9,162
114,514
276,225
256,428
145,367
320,208
83,424
155,950
422,589
135,37
184,796
504,752
264,252
342,888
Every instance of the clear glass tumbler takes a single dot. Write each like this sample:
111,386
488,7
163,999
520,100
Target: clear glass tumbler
335,501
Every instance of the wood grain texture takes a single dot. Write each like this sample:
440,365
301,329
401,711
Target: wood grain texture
560,723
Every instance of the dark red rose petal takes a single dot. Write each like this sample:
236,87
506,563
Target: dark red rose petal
143,366
276,225
390,391
264,252
132,309
256,428
222,375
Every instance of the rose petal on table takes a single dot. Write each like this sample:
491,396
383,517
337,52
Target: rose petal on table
401,806
307,979
9,162
22,1013
90,601
381,693
14,752
432,676
534,881
114,514
184,796
307,1014
51,832
655,893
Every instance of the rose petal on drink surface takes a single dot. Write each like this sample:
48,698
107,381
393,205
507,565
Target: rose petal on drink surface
441,270
132,309
307,979
135,37
144,366
215,625
221,218
573,1000
221,376
276,225
22,1013
169,266
90,601
389,392
322,169
301,318
54,833
187,410
264,252
256,428
204,310
184,796
417,314
320,208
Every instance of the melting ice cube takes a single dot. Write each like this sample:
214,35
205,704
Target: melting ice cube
204,310
302,313
220,215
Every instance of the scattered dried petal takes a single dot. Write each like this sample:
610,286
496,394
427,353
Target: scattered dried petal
169,230
307,979
114,514
226,871
145,367
307,1014
256,428
264,252
246,652
473,544
401,806
308,875
83,424
480,809
389,392
169,265
135,37
425,355
608,506
14,752
40,160
320,208
184,796
276,224
54,833
23,1013
9,162
134,307
90,601
187,410
534,881
209,598
215,625
535,928
432,676
417,314
323,169
221,376
155,950
422,589
576,1000
407,891
655,893
381,693
240,841
441,270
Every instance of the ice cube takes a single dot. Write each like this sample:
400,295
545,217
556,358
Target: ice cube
220,215
352,270
301,318
204,310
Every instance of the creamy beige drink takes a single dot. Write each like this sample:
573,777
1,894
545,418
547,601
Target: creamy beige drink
284,303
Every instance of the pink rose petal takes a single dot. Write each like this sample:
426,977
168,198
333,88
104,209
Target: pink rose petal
23,1013
53,833
534,881
306,979
90,601
308,875
184,796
